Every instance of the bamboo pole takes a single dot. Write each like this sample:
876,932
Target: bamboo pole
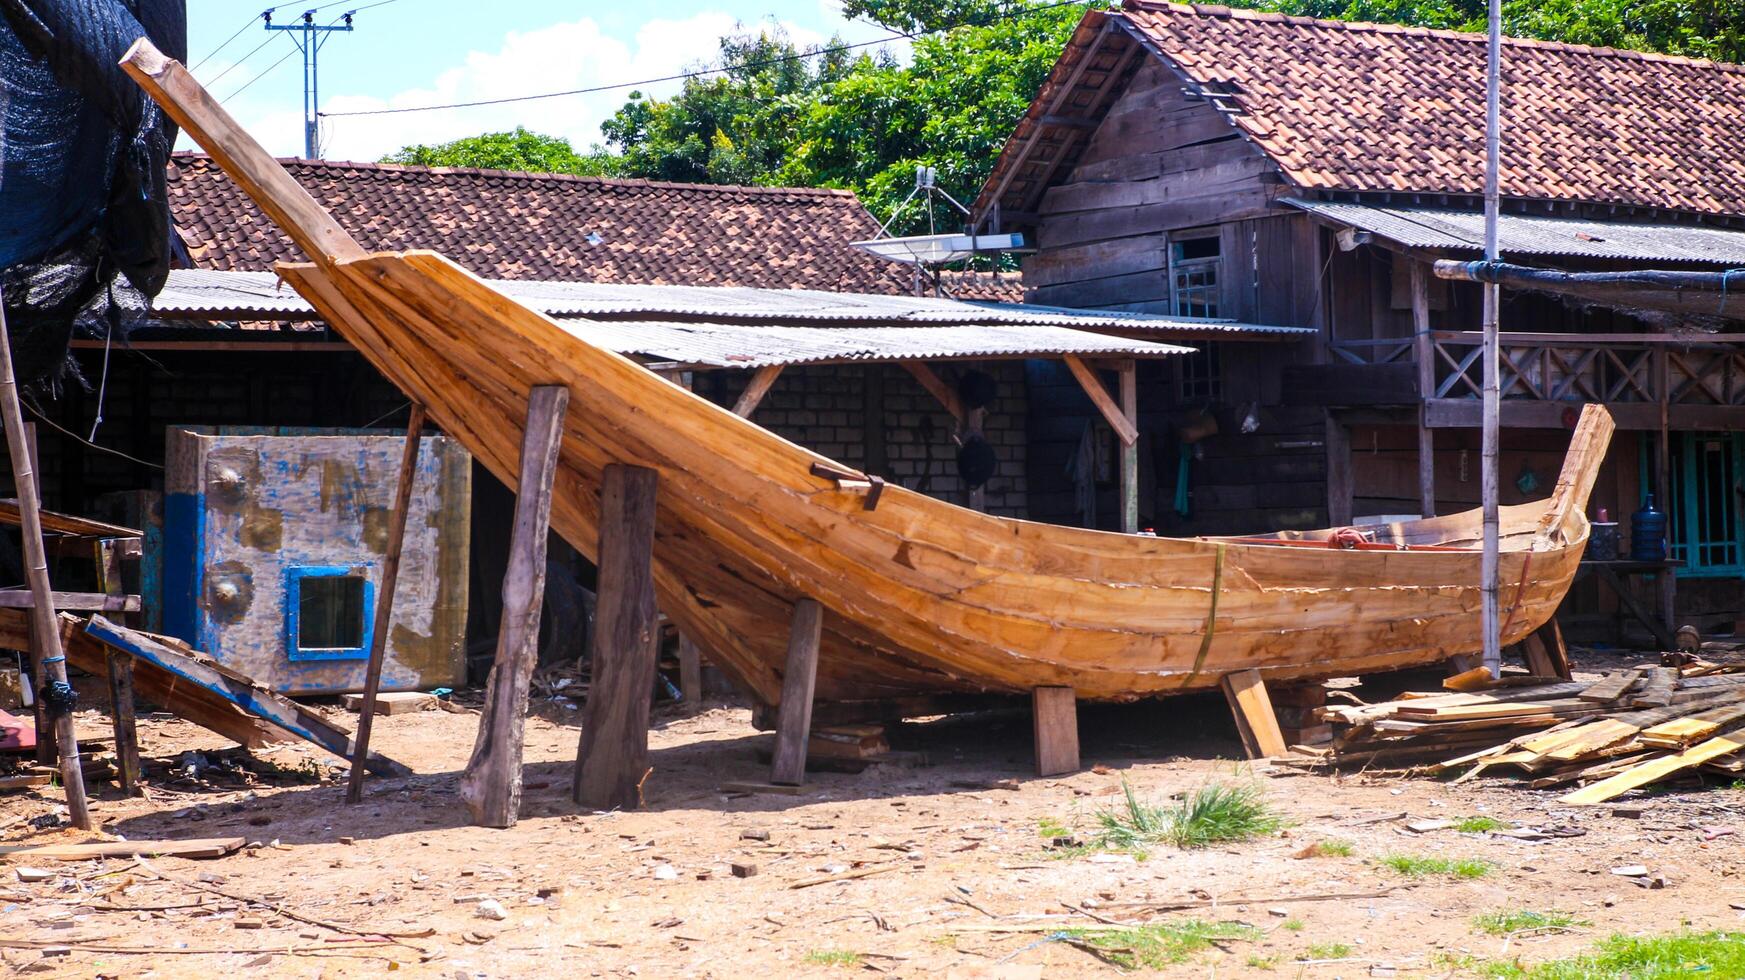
354,787
51,659
1493,658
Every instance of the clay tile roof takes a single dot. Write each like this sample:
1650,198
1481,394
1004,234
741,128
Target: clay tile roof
1365,107
546,226
983,287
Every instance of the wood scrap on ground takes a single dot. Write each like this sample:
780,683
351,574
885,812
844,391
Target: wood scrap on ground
1629,730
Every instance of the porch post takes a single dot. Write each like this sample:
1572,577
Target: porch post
1665,580
1424,350
1339,489
1129,450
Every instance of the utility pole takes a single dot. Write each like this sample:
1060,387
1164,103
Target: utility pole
1491,400
314,36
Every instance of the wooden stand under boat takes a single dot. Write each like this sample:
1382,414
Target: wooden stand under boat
918,596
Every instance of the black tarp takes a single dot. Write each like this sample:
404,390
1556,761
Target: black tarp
82,157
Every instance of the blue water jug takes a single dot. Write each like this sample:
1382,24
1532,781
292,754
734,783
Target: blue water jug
1648,533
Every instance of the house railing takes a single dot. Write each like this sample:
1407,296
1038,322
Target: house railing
1608,368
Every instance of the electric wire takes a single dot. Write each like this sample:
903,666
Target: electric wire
706,72
269,70
63,430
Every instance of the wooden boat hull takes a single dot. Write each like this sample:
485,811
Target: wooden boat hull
922,596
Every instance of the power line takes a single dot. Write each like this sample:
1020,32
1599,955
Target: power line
214,52
706,72
268,71
240,61
250,23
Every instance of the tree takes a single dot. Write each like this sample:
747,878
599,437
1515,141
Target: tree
521,149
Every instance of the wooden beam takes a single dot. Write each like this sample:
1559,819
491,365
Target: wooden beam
690,671
354,788
305,723
119,669
936,387
1035,137
51,662
1093,386
612,758
1339,477
491,786
71,601
1129,450
270,186
758,387
1055,726
1252,708
799,678
1424,352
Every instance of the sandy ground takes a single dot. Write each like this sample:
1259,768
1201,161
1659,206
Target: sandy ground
956,855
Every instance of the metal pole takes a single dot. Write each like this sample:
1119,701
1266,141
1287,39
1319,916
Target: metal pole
1493,657
45,626
310,99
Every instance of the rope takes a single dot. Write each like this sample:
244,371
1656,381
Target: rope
1520,588
1211,614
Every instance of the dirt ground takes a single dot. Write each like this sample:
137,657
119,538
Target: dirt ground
963,882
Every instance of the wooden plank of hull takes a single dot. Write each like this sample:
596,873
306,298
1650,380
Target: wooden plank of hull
920,595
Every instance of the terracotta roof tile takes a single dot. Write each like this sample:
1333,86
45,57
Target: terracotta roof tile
509,225
1352,106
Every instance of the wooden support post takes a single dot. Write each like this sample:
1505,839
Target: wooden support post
354,787
936,387
1550,638
1666,581
612,757
1055,718
51,660
1339,480
758,387
799,679
1130,450
1255,721
1099,395
491,785
120,670
1424,351
46,752
690,671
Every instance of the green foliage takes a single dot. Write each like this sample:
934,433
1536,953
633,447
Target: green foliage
1051,829
1161,944
1332,848
521,149
1326,951
833,957
1293,925
1413,866
1478,825
1214,813
1259,962
1510,921
1683,954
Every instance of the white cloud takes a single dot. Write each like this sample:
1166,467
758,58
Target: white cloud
563,56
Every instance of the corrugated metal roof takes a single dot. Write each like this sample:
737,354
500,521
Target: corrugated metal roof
722,345
1519,234
201,293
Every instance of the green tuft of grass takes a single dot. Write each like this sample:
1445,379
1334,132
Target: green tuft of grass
1333,848
1479,825
1293,925
1508,922
1413,866
1049,828
1258,962
1681,954
1325,951
833,957
1213,814
1160,944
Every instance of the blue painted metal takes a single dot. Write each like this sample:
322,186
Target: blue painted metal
184,537
294,578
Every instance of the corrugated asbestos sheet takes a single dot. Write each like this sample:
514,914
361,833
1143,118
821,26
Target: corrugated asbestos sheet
201,294
1519,235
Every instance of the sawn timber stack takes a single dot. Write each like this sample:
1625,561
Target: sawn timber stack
920,596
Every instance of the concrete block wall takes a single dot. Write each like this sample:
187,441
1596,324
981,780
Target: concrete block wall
830,409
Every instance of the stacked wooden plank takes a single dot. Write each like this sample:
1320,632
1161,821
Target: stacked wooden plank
1607,737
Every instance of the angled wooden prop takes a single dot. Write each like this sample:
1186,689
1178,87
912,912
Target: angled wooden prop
922,597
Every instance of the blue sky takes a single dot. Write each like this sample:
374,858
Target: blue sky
418,52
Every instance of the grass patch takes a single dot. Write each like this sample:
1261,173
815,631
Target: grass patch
1413,866
1682,954
1329,849
1510,921
1258,962
1479,825
1160,944
833,957
1050,828
1325,951
1213,814
1292,925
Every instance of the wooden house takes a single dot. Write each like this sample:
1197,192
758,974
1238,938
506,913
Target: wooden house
1204,161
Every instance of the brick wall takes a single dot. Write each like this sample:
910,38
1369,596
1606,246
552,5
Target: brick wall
834,410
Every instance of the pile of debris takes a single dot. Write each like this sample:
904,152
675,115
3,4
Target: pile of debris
1632,728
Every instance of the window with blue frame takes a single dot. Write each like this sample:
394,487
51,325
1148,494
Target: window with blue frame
328,612
1703,525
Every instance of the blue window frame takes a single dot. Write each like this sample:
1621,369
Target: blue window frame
1704,528
329,612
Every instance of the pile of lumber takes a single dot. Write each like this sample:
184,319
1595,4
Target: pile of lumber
1632,728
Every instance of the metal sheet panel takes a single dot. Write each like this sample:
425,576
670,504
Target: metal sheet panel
1521,235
